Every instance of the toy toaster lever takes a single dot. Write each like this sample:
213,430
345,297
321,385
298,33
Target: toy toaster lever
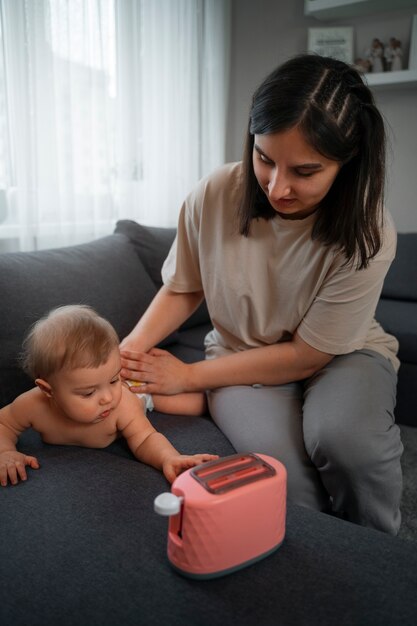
167,503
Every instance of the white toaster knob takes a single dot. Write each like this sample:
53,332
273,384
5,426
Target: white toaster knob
167,503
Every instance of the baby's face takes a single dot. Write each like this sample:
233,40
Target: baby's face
89,394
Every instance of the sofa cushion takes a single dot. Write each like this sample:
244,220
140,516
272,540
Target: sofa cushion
106,274
401,280
152,245
405,409
82,544
399,318
194,337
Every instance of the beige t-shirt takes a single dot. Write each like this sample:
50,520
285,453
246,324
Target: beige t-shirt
262,288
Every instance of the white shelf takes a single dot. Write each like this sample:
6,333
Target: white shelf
335,9
382,80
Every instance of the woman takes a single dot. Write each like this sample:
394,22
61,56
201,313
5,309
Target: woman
290,249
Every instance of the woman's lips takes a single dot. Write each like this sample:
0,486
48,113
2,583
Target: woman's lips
285,202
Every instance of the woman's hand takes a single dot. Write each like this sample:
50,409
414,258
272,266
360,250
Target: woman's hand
159,372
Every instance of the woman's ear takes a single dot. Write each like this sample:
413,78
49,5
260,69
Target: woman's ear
44,387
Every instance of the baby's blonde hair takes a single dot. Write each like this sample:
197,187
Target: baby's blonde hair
68,337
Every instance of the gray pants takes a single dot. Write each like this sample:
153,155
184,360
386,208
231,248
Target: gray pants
334,432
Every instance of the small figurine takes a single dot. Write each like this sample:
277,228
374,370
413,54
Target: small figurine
376,55
394,55
397,58
389,53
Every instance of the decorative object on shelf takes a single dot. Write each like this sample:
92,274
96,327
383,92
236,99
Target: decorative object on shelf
375,55
336,42
393,55
397,61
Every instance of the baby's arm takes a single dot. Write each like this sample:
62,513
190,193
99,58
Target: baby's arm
150,446
13,463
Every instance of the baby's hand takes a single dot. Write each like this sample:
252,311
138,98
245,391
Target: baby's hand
13,466
174,465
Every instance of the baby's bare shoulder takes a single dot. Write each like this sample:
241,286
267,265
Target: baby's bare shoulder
129,399
26,410
130,408
34,398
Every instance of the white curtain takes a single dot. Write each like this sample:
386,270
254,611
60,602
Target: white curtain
109,109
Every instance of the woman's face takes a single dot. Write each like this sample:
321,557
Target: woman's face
292,174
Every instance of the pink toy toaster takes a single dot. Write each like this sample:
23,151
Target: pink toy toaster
225,514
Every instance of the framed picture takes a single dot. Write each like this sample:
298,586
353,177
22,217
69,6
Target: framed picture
412,62
336,42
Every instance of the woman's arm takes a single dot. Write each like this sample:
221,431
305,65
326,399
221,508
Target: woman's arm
276,364
167,311
269,365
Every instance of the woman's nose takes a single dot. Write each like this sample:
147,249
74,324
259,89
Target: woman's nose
278,186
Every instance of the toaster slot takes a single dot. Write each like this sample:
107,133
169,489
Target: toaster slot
235,461
232,472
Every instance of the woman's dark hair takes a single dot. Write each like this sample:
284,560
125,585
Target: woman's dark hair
336,113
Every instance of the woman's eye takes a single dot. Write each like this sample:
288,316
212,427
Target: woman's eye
265,159
304,174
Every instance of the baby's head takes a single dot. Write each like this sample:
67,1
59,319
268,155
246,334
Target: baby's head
68,337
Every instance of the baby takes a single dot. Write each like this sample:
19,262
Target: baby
80,399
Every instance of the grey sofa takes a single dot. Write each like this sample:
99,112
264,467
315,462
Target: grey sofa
80,543
397,312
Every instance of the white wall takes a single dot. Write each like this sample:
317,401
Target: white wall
267,32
